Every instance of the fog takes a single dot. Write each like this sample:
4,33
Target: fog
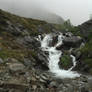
77,11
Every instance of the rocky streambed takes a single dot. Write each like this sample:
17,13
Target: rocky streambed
42,75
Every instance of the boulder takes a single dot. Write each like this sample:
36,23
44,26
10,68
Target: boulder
16,67
76,53
42,60
27,62
1,61
53,84
73,41
54,39
29,41
82,67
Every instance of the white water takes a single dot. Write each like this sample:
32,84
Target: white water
54,56
74,62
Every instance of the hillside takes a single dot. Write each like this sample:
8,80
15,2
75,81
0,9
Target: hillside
24,64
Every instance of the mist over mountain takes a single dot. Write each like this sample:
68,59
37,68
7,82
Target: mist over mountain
31,10
77,11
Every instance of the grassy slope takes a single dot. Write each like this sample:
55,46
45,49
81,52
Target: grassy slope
9,48
8,45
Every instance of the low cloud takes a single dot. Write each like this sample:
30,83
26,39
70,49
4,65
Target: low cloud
76,10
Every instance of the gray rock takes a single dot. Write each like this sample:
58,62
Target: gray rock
84,89
1,61
90,82
42,60
29,42
73,41
53,84
77,54
15,66
27,62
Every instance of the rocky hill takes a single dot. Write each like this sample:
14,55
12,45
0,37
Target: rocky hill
24,66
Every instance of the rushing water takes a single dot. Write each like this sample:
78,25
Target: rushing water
54,56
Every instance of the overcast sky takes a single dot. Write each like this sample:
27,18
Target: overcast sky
77,11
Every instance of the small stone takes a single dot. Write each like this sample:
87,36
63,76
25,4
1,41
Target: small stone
1,61
16,67
34,87
53,84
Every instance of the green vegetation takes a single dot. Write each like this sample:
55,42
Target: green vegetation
29,24
65,61
87,52
10,48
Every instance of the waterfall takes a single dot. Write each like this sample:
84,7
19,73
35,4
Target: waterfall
54,56
74,62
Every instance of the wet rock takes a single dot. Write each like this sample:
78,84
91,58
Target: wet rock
76,53
29,40
42,60
53,84
84,78
68,34
81,66
73,41
54,39
83,89
45,78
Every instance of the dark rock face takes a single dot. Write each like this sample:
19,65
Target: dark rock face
85,29
73,41
14,29
29,42
82,67
42,60
54,39
70,41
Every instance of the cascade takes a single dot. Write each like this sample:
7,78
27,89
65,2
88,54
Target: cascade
54,56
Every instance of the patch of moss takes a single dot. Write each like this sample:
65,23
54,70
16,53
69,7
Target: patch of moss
87,54
88,62
87,49
65,61
5,53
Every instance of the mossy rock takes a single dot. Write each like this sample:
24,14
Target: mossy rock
88,62
65,61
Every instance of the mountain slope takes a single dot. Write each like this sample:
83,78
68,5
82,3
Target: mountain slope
23,64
